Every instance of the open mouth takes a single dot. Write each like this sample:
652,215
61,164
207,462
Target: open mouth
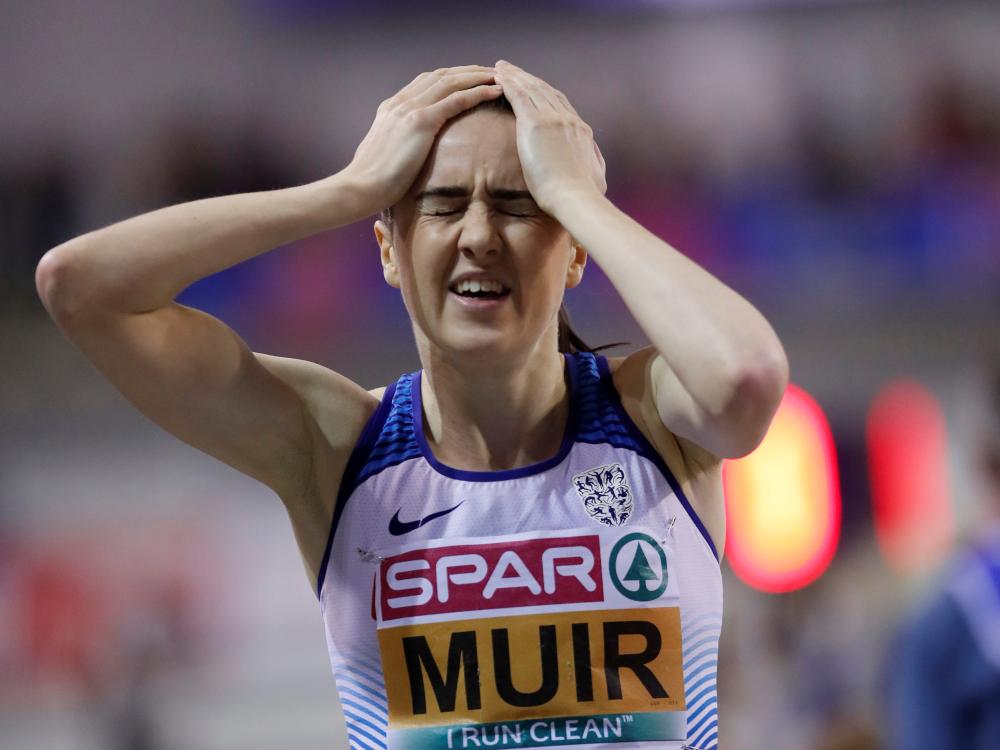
484,289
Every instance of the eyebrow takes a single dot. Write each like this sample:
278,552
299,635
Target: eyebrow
457,191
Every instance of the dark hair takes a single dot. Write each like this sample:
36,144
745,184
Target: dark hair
569,340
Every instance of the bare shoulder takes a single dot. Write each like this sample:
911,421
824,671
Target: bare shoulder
340,409
698,471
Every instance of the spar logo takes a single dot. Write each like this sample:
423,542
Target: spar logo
496,575
637,567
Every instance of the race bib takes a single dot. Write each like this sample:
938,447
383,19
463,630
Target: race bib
531,640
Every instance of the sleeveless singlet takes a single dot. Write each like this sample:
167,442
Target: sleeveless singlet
576,602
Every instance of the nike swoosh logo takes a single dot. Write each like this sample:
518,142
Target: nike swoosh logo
398,528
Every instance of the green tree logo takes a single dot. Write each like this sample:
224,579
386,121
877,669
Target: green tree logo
641,582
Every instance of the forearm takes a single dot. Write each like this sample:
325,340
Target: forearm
143,263
714,340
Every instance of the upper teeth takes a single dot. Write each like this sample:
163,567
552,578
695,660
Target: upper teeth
479,285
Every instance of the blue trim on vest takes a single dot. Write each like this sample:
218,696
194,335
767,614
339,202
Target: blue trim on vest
500,476
599,422
395,434
369,438
645,449
396,441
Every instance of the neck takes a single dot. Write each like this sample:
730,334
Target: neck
496,418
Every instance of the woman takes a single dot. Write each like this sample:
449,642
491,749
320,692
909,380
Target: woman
507,493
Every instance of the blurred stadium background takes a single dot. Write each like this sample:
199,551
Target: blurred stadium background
836,162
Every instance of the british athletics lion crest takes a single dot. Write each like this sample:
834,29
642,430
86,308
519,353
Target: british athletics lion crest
606,494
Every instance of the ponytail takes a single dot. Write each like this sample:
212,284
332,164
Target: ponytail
570,342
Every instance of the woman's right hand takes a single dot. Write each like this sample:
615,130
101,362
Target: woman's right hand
390,156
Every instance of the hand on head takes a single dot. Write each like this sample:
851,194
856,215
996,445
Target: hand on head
557,150
556,147
390,156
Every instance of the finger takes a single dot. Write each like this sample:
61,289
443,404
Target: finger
564,100
538,91
503,66
543,99
449,84
459,101
551,100
428,78
519,95
531,97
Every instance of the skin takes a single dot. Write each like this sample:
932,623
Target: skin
505,406
480,364
494,387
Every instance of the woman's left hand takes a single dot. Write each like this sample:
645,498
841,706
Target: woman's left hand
559,157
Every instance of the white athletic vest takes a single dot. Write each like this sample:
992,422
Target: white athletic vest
573,603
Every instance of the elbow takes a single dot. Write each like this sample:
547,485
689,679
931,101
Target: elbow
765,380
756,393
59,284
50,277
48,274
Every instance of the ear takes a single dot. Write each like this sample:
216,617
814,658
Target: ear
574,274
387,254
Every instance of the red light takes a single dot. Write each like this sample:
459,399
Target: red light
783,500
907,468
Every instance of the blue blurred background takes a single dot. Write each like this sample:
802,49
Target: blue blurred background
836,162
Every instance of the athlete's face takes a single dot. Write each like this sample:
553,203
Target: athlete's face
469,217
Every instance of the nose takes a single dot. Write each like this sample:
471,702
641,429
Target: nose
478,237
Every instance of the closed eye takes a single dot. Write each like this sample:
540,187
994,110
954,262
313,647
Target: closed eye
523,213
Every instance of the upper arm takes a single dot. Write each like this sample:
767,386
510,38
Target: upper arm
194,376
698,470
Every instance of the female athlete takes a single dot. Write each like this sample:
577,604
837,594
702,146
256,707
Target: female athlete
517,545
